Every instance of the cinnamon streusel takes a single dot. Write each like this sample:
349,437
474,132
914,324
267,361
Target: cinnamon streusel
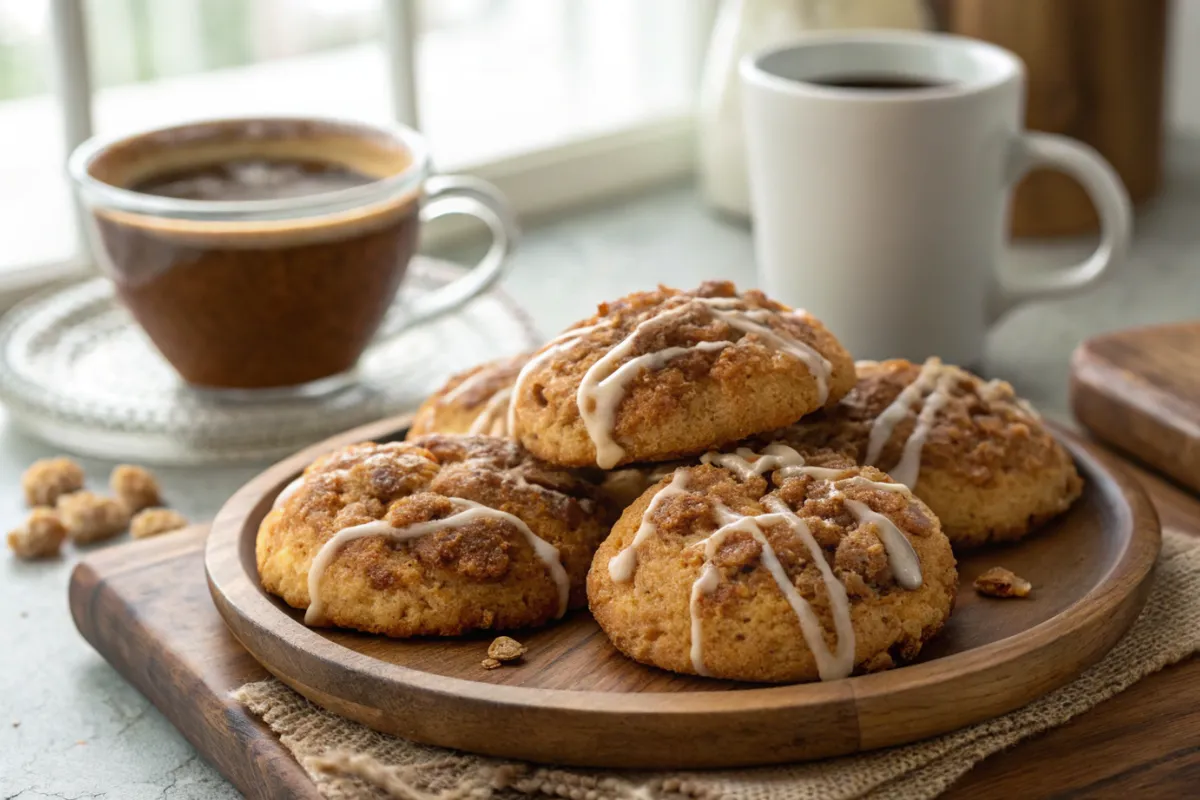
437,536
975,452
765,566
474,401
666,374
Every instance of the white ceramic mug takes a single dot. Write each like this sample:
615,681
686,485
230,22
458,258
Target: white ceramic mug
884,211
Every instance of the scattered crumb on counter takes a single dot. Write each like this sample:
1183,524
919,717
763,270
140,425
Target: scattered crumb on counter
490,663
41,535
505,649
90,517
154,521
1000,582
16,723
48,479
135,486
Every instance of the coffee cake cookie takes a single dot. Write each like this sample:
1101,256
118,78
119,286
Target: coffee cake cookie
975,452
666,374
437,536
474,401
765,566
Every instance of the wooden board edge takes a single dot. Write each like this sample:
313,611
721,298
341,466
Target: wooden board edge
1097,399
152,671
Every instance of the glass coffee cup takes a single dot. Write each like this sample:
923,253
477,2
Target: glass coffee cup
264,255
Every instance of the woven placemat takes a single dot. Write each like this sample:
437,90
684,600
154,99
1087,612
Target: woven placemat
348,760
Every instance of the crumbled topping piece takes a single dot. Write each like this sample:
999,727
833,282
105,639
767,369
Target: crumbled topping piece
134,486
1000,582
90,517
41,536
490,663
153,521
50,478
505,649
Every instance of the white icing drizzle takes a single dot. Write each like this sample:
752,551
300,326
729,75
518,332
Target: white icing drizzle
706,584
859,480
902,558
932,388
890,417
465,385
817,364
606,394
622,565
286,492
840,663
777,456
564,341
908,469
492,419
471,510
603,385
830,665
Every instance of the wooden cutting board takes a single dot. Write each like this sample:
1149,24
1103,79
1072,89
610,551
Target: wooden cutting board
145,607
1139,390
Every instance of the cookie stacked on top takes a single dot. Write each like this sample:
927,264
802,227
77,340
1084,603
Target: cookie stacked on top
725,450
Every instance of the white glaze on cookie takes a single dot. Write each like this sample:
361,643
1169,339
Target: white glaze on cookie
622,565
604,385
830,665
931,389
559,344
492,419
746,463
469,511
286,492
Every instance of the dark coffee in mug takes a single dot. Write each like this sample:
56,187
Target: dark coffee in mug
879,82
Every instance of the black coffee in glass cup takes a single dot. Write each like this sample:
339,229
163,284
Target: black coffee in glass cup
266,254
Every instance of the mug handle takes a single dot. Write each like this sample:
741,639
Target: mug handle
458,194
1107,192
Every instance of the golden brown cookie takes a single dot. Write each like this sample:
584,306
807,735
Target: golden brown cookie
438,536
760,566
666,374
974,451
474,401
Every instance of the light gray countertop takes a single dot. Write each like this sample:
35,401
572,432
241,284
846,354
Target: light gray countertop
70,727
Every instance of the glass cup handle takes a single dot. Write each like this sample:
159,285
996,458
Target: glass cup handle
459,194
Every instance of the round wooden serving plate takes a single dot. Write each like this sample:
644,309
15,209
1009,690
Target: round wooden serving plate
575,700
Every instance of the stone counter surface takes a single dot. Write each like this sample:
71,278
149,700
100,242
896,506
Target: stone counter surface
70,727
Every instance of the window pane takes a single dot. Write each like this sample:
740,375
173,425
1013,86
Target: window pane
158,63
35,206
502,76
495,77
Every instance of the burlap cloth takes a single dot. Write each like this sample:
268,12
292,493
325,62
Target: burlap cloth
347,760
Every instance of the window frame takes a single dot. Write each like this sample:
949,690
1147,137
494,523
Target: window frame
638,156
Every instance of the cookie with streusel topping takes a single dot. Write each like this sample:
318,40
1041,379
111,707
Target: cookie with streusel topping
667,374
977,453
474,401
761,566
438,536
